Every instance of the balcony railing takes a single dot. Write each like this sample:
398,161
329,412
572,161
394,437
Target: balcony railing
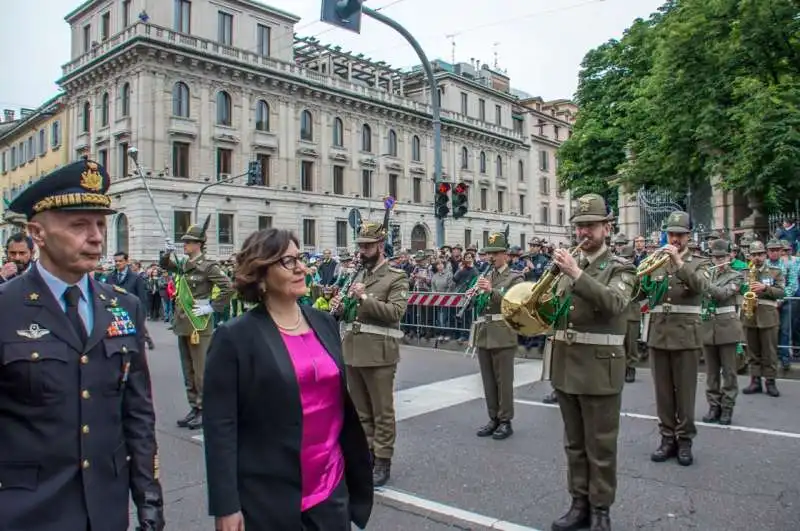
226,53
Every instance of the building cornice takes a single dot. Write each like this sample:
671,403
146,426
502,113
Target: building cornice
45,112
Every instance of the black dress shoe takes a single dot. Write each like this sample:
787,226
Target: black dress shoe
630,374
488,429
576,518
503,431
601,519
685,457
666,450
381,472
184,422
714,412
197,422
726,416
772,389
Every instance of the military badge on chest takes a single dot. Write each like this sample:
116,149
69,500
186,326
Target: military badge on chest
122,324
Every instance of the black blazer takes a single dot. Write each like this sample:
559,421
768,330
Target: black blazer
252,419
134,284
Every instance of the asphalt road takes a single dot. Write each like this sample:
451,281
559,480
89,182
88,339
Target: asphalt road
744,477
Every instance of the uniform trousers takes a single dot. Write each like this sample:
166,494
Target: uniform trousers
372,391
721,359
675,381
193,364
497,373
762,345
632,344
591,428
332,514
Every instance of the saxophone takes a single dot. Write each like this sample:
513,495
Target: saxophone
750,298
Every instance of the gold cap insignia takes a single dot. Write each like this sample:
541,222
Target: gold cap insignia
91,178
493,238
585,204
675,217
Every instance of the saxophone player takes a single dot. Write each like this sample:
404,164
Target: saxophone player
761,329
722,332
589,364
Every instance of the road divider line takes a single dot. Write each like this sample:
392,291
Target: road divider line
409,500
640,416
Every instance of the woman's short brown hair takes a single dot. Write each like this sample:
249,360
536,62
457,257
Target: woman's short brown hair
259,251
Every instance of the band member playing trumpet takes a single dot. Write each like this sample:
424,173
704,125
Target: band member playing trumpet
761,325
495,342
589,364
675,282
722,332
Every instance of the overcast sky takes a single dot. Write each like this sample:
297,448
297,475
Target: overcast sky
539,42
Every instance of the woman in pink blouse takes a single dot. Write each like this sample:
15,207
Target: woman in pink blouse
284,447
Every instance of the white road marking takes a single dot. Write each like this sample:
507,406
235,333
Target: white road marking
640,416
448,511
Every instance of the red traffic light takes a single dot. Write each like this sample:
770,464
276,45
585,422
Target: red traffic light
461,188
444,188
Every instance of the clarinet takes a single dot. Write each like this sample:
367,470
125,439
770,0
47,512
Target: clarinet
347,283
468,301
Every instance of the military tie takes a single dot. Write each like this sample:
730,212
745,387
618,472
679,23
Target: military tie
72,296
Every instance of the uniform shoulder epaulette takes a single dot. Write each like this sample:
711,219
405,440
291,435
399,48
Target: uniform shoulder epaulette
620,259
394,269
119,289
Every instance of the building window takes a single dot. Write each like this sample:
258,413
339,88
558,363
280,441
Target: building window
341,233
486,238
560,217
498,115
224,108
105,26
522,208
86,118
338,180
180,100
338,132
262,116
544,186
225,28
224,163
87,38
125,100
104,110
556,132
522,241
482,110
500,200
483,162
467,237
544,160
180,159
366,139
499,166
126,13
307,176
416,152
393,180
13,157
183,16
123,159
392,143
309,233
366,183
544,215
417,190
264,222
464,158
264,161
521,171
306,126
181,221
55,134
484,198
43,142
464,103
102,158
225,229
263,36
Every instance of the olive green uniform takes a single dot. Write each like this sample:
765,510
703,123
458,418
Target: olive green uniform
633,316
722,332
496,347
761,331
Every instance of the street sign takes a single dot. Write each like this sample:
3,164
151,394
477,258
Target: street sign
388,202
345,14
354,218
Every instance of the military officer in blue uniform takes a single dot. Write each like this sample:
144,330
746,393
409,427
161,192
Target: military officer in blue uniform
77,427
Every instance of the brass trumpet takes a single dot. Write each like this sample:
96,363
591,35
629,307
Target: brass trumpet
655,261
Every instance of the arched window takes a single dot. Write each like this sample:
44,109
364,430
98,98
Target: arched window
338,132
180,100
464,158
125,100
306,126
262,116
366,138
483,162
499,164
86,119
416,152
121,230
392,143
419,238
224,108
104,110
521,170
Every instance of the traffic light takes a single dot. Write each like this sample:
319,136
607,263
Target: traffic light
345,14
460,200
442,202
254,173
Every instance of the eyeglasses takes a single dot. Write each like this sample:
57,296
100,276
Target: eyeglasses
292,263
